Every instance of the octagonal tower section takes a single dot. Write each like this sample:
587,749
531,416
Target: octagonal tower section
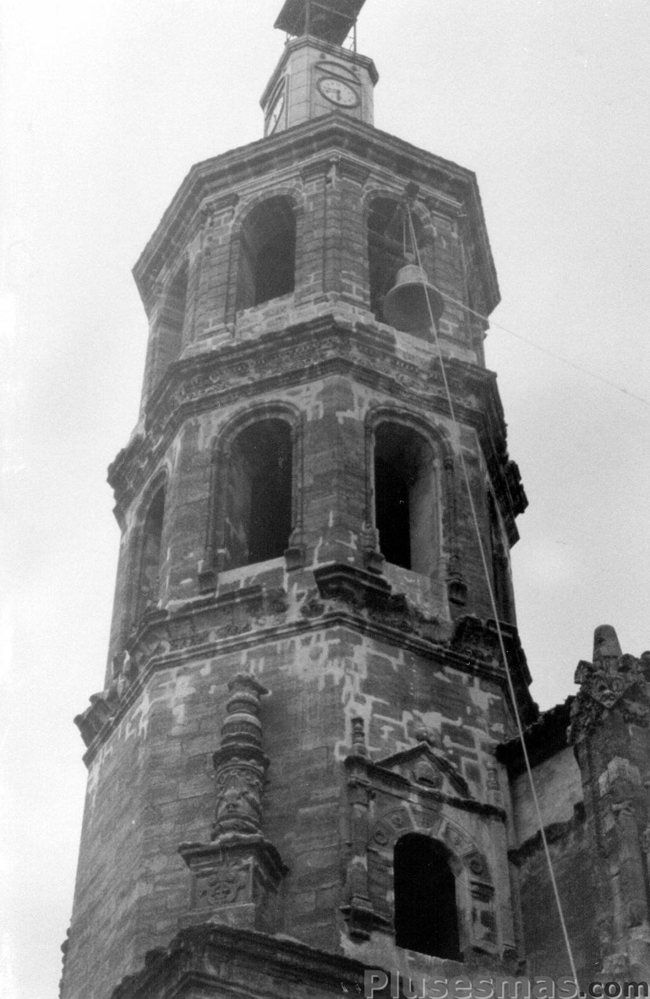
293,510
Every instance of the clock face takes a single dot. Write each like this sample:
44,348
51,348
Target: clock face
275,114
338,92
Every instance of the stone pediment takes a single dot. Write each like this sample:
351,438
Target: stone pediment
422,766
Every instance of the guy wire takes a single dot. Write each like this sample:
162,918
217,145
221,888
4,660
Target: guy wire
511,686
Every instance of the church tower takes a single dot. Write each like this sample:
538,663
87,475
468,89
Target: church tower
293,773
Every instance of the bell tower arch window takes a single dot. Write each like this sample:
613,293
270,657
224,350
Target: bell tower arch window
389,239
406,501
151,553
258,502
385,250
267,260
426,913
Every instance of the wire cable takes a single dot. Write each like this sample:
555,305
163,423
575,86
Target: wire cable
544,350
481,547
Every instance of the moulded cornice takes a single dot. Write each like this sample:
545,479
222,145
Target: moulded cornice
309,350
546,737
209,956
162,643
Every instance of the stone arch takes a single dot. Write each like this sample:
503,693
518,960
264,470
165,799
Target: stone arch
256,276
274,415
475,901
419,210
437,488
388,237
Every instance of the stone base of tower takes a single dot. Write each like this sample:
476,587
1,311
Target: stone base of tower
208,960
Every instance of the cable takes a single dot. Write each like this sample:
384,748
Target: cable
544,350
511,686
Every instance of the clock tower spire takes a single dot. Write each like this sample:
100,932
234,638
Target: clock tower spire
317,73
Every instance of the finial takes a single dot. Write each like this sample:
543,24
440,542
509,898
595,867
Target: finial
359,737
606,643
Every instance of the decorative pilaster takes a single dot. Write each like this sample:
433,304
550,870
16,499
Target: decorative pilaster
358,908
236,875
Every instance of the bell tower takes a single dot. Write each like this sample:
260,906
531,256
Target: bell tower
294,749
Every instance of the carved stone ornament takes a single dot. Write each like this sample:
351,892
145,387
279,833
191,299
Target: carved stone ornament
225,884
236,876
239,798
613,682
240,764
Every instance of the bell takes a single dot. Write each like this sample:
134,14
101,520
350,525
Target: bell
405,305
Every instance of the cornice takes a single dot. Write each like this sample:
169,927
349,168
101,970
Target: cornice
378,775
170,639
303,352
546,737
186,961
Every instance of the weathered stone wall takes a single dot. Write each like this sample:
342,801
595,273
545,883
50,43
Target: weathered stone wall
151,782
573,858
559,789
558,785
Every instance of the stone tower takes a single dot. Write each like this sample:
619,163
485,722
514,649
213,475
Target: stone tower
293,773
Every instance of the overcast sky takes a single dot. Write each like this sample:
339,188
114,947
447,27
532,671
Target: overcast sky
106,106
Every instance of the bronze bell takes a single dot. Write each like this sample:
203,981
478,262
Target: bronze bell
405,305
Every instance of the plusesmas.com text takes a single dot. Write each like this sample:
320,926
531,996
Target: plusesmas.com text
379,984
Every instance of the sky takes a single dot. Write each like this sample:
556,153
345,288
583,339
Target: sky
105,106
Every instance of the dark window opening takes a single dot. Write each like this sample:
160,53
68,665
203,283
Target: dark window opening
405,499
426,914
150,561
268,253
389,238
258,507
385,250
393,519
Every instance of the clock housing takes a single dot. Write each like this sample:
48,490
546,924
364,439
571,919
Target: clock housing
317,78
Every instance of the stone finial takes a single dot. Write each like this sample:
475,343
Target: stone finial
612,682
359,747
606,643
242,724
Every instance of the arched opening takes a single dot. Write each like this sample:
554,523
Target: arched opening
405,498
258,499
151,553
389,238
385,249
172,321
426,914
268,253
